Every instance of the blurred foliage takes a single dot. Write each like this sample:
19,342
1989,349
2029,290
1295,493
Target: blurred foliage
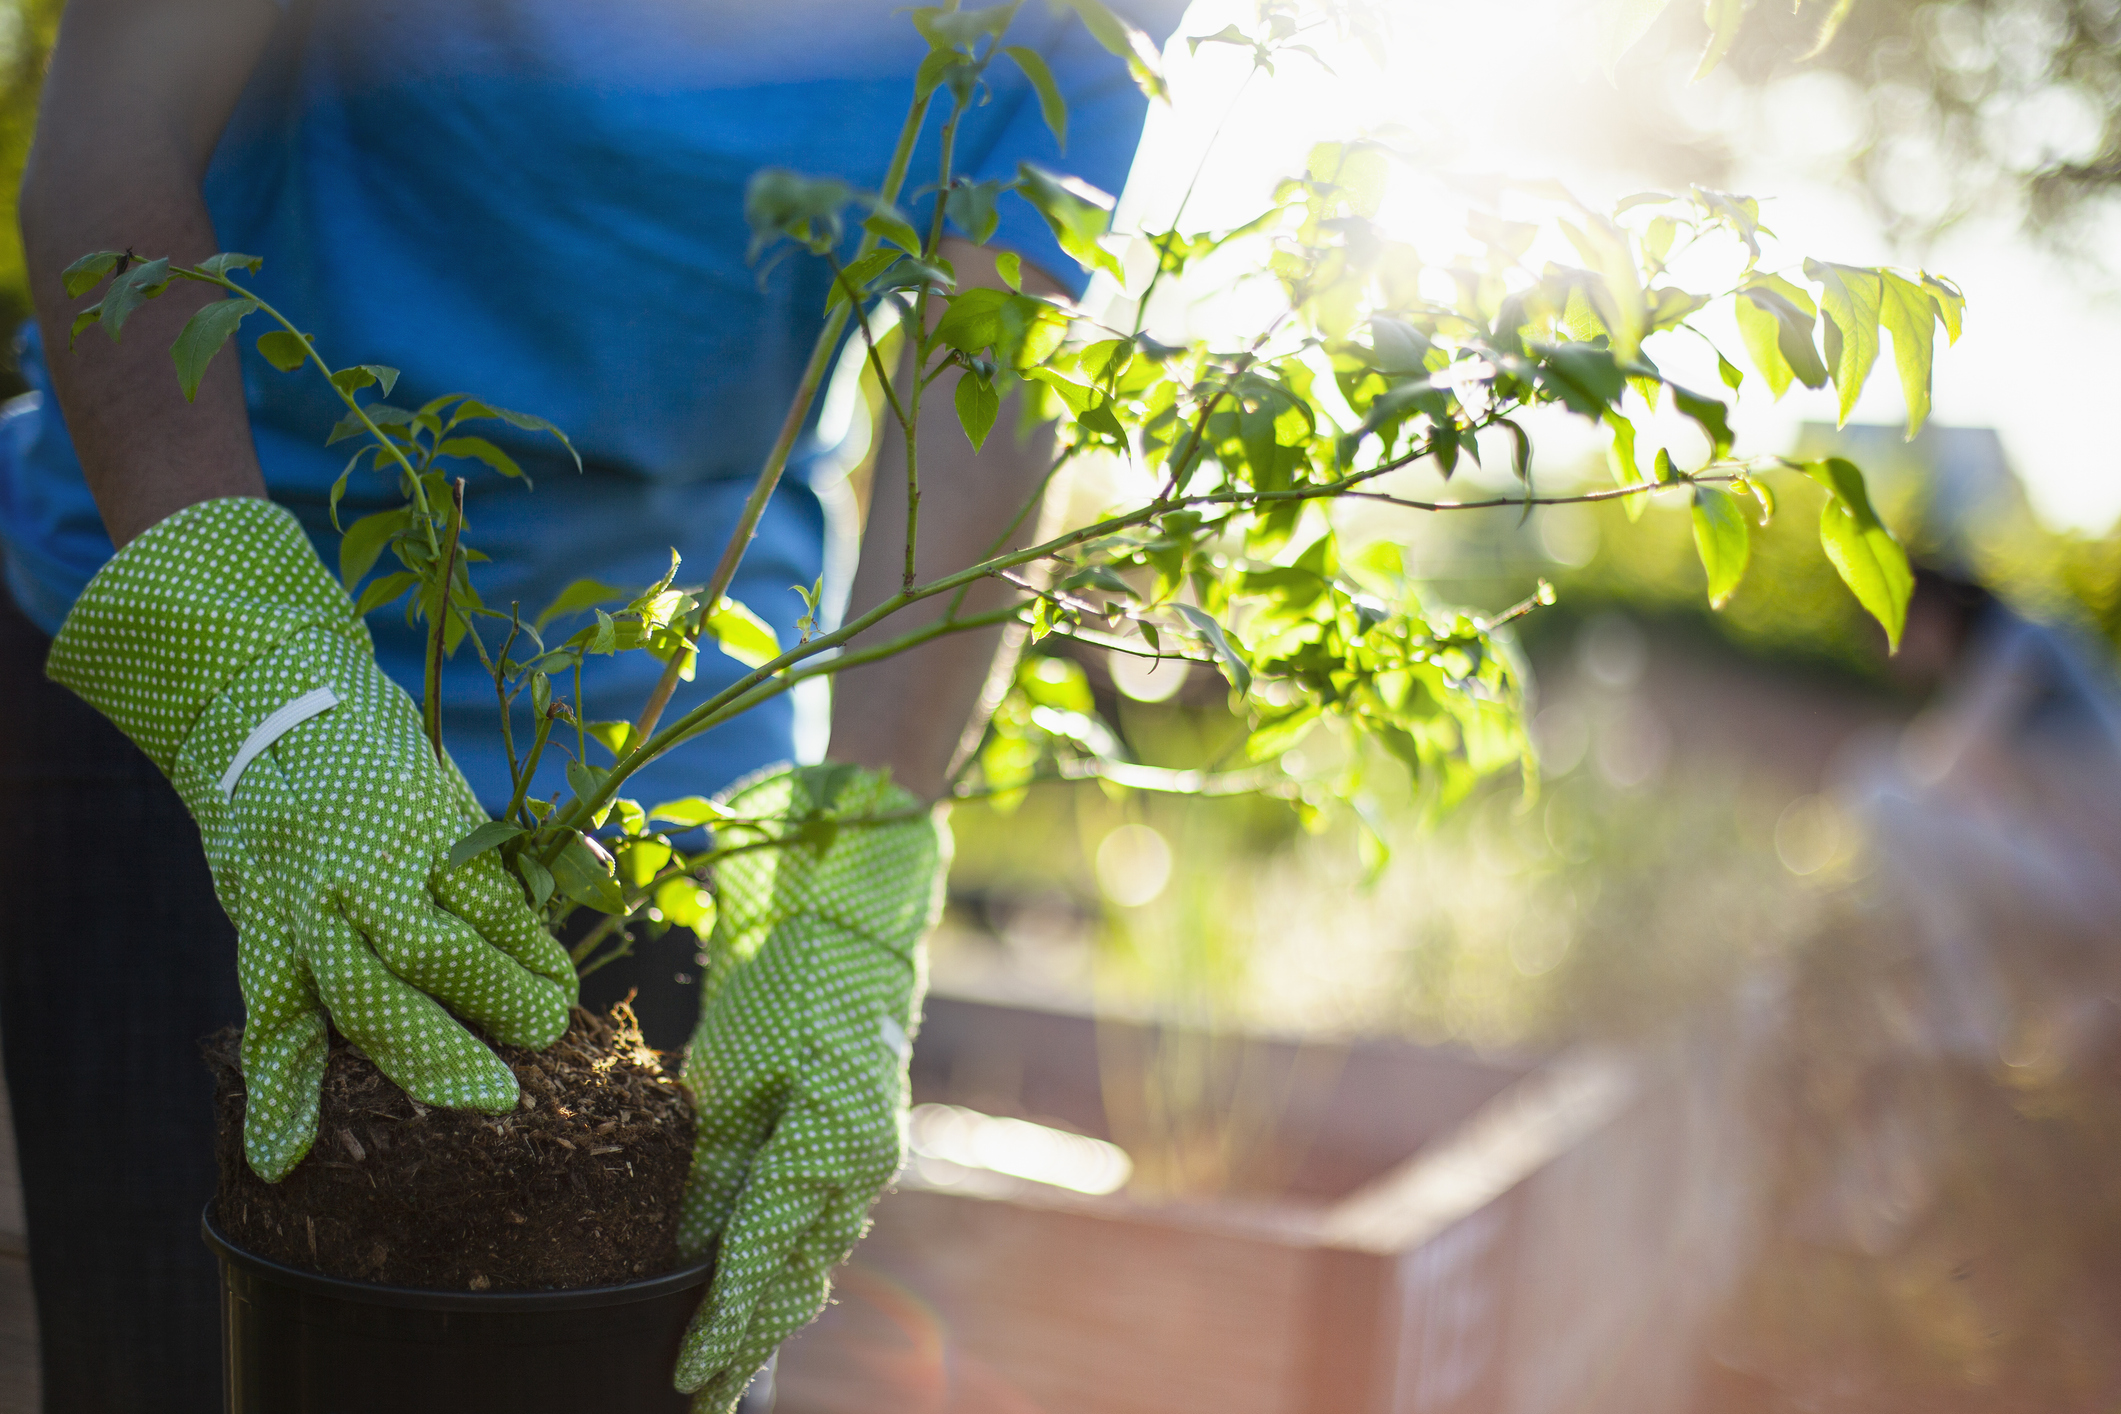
2002,100
1959,107
1790,606
1611,902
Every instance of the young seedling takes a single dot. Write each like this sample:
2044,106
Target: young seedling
1372,363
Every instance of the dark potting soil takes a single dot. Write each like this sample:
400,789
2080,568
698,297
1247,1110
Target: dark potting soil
580,1186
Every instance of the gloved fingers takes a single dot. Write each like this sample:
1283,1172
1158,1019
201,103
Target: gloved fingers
880,880
283,1052
772,1216
484,896
724,1392
400,1027
791,1300
444,957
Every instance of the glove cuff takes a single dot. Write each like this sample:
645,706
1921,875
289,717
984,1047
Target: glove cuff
178,613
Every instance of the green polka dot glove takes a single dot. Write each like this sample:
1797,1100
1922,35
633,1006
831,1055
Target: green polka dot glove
220,644
814,978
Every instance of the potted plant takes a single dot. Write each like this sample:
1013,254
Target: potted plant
1373,367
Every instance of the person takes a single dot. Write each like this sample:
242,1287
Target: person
531,201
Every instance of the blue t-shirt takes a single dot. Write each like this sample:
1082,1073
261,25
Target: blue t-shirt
541,203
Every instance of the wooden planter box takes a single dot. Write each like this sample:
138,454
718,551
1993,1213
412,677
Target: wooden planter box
1414,1231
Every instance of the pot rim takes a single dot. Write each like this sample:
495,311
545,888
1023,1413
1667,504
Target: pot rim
428,1299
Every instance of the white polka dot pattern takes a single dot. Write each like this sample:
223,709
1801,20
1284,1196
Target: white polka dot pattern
331,855
815,975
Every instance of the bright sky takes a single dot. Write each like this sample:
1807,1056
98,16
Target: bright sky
1536,110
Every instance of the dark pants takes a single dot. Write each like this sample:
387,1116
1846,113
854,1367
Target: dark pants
117,960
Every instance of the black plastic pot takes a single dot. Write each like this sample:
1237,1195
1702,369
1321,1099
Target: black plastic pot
293,1342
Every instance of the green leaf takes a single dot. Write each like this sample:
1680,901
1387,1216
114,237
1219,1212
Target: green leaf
1729,372
1910,315
487,836
1862,551
1723,17
536,877
973,322
934,69
381,414
1951,305
580,595
582,874
283,350
362,375
1099,577
88,272
1621,457
948,27
82,320
1276,738
690,811
858,274
1228,34
1722,539
1828,28
971,208
383,591
686,904
977,407
585,781
1010,266
479,449
1078,213
129,291
1129,43
640,861
1711,415
616,737
1776,319
604,638
364,540
742,634
227,260
1583,376
1520,452
1850,298
471,410
1051,105
888,225
1236,669
203,336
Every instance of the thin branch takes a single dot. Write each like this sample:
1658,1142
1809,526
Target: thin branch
791,426
438,631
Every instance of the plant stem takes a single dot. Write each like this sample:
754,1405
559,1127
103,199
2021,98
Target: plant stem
792,425
1141,307
1023,513
500,683
530,768
910,422
740,694
438,628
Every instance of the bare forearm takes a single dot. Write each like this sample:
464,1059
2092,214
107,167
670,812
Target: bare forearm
137,97
908,712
